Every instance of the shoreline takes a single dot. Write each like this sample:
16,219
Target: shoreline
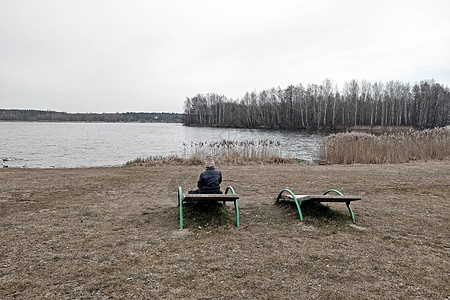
293,162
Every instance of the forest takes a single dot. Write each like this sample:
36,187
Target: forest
359,103
54,116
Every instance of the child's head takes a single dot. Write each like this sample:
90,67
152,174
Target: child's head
209,162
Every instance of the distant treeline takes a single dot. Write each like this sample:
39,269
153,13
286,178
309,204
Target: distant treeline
359,103
54,116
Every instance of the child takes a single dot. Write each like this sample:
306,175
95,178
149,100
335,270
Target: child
209,181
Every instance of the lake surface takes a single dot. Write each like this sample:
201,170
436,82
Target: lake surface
68,145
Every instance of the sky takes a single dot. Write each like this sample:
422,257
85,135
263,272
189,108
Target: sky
149,55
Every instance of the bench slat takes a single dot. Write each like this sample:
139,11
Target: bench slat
210,197
325,198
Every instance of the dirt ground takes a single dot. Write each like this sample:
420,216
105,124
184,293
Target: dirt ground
112,233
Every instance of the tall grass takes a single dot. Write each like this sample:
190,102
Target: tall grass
225,152
365,148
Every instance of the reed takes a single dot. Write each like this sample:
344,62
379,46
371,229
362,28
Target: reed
163,160
365,148
225,152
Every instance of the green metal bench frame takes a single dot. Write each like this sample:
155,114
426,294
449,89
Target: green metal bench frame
207,198
288,195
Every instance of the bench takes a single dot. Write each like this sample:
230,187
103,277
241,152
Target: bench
288,195
185,198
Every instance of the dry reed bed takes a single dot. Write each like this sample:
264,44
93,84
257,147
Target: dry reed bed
225,152
365,148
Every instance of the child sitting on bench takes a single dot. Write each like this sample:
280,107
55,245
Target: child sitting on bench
209,181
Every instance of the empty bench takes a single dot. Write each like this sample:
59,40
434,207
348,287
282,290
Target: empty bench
185,198
288,195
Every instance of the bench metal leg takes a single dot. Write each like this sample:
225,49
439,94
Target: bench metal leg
298,203
230,189
180,203
351,211
237,213
333,191
346,202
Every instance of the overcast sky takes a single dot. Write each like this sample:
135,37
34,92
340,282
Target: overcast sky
148,56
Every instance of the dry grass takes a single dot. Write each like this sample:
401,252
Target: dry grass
112,233
399,147
225,152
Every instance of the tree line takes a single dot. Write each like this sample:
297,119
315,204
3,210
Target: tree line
54,116
358,103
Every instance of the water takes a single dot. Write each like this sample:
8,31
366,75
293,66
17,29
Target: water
67,145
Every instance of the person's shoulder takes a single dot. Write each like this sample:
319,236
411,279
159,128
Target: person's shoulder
213,170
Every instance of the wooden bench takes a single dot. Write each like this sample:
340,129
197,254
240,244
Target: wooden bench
288,195
185,198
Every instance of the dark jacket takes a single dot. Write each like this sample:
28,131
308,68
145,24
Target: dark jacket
209,181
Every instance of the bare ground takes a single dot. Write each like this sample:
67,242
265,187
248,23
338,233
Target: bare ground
101,233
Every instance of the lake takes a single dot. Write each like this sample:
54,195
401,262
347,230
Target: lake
72,145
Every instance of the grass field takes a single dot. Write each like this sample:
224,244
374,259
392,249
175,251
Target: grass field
112,233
